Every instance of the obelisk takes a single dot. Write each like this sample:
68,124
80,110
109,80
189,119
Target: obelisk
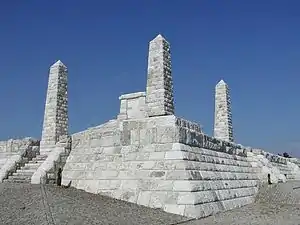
159,91
56,108
223,117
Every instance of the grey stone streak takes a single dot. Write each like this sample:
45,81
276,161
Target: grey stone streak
159,81
223,117
56,108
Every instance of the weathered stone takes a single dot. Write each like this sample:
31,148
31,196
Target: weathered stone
56,107
159,91
223,117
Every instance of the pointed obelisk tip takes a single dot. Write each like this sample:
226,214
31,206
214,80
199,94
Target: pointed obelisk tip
159,37
221,82
58,63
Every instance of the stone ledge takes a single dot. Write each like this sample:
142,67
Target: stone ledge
132,95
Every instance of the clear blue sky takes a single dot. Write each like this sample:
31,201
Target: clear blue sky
253,45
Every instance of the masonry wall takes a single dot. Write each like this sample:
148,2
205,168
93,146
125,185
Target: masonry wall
148,156
160,162
13,147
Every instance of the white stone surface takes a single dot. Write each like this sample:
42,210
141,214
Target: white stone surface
223,118
265,167
159,89
55,122
39,177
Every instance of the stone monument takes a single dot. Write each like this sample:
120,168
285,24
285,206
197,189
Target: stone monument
56,108
223,117
159,94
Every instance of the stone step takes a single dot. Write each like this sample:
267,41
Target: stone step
19,177
41,156
30,166
36,160
24,173
25,170
16,181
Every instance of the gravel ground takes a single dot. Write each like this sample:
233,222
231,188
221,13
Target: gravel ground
42,205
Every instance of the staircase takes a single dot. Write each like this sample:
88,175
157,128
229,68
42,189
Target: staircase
25,169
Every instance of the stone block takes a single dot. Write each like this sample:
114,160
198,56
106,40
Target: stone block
167,135
175,209
129,184
107,174
148,136
178,175
157,199
175,155
181,147
156,155
163,147
148,165
143,156
144,198
111,150
91,186
76,166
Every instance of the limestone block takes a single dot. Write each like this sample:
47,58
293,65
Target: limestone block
111,150
156,155
175,155
157,199
76,166
202,210
146,148
77,175
175,209
167,134
237,202
143,156
106,174
80,184
91,186
144,198
148,136
178,175
163,147
195,198
181,147
148,165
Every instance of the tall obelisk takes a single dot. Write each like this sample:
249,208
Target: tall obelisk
159,91
56,108
223,118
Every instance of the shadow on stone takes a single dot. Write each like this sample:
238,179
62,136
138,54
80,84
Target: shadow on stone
58,179
269,179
